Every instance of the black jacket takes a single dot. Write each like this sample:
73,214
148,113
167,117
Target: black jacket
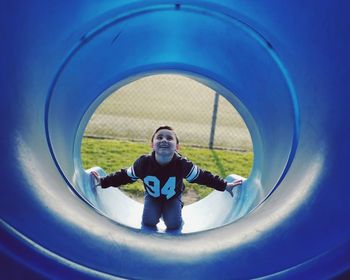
163,181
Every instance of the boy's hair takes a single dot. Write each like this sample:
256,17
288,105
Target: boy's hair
167,127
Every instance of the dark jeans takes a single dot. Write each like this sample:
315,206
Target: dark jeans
154,209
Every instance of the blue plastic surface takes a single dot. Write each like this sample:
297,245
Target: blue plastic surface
284,66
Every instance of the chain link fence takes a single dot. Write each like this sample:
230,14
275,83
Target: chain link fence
200,116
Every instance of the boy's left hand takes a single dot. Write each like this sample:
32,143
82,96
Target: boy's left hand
96,178
230,186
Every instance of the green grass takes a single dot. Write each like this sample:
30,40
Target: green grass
113,155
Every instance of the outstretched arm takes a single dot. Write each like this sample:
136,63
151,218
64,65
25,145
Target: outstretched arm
203,177
112,180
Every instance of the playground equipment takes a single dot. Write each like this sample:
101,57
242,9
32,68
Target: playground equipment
284,67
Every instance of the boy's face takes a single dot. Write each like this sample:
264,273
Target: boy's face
164,142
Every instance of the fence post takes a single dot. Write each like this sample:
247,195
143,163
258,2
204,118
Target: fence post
213,120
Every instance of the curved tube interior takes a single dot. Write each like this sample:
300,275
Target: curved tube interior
255,85
288,80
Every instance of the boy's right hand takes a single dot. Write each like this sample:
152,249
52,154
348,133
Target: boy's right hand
232,185
96,178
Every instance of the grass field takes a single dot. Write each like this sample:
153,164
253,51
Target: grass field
135,110
113,155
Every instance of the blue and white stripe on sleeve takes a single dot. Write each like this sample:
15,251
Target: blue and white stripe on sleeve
131,173
193,174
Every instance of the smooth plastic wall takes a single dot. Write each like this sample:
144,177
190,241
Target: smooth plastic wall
284,67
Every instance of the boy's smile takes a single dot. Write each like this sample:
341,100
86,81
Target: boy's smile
164,142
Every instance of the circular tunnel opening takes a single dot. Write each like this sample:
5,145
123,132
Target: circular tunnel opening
212,133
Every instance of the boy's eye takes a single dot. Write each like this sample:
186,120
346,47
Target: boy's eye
167,137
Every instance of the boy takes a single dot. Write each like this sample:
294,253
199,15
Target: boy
162,173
